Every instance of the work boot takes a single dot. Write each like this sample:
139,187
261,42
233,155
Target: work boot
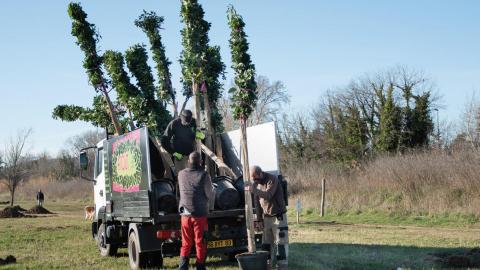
200,266
183,263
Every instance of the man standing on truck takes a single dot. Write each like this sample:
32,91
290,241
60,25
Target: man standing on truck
196,190
179,138
271,215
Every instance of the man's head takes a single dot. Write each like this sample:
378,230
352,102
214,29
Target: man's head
194,160
186,117
256,172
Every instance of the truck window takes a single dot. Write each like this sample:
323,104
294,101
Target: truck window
99,162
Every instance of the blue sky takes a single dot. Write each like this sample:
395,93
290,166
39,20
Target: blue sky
309,45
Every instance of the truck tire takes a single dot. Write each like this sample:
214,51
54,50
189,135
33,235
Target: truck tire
105,249
137,260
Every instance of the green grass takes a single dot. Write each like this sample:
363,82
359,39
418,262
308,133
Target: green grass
64,241
390,218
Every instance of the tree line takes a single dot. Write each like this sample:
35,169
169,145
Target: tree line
387,112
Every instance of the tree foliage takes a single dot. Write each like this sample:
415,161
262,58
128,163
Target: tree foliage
151,24
193,58
243,95
136,58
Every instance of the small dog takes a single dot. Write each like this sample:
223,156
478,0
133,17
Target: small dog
89,212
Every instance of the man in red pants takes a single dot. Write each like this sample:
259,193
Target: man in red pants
195,192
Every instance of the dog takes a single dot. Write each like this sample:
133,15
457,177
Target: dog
89,212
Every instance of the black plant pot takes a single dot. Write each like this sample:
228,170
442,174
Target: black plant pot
253,261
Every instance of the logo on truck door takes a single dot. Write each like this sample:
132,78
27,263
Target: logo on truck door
127,163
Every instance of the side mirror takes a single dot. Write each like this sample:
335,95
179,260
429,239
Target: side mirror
83,161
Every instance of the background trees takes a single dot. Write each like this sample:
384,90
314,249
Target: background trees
15,162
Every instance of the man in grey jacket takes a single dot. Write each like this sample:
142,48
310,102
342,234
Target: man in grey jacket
196,190
271,215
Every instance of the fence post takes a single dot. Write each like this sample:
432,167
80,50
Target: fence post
298,209
322,202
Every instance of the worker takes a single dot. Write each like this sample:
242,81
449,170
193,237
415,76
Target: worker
179,138
196,190
271,215
40,198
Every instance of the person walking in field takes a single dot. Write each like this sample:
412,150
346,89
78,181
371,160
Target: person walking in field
40,198
179,138
271,215
196,190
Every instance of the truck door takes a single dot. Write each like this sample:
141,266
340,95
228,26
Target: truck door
99,176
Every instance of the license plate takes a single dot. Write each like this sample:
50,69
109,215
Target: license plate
220,243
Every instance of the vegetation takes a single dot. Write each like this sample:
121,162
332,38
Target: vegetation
46,242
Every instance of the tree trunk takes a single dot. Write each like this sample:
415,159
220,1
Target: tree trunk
12,196
196,101
111,110
210,134
248,194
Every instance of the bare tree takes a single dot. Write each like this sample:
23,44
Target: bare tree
16,163
272,98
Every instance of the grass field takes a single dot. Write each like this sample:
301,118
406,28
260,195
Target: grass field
63,241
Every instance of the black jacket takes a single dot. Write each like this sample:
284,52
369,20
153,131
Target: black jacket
179,138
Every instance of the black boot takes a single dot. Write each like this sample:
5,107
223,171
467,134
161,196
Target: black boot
200,266
183,263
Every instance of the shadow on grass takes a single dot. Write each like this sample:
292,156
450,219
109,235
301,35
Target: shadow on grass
355,256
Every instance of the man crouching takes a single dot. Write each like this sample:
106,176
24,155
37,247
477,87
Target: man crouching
196,190
271,215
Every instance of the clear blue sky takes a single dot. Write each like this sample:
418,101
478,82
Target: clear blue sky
309,45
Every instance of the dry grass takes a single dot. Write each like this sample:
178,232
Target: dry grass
54,190
422,182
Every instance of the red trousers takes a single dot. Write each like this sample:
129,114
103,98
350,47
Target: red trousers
194,231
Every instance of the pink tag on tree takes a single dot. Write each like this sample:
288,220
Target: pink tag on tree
203,88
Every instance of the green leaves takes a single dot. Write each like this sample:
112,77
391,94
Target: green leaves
243,95
195,43
151,24
87,38
158,117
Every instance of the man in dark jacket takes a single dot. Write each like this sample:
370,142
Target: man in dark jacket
179,138
196,190
40,198
271,215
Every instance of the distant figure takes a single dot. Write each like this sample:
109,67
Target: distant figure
196,190
271,214
40,198
179,138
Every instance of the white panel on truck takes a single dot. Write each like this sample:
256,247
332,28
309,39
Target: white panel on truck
262,148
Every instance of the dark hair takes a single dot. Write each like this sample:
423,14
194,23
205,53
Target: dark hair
195,159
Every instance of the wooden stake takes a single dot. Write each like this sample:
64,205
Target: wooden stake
248,194
322,202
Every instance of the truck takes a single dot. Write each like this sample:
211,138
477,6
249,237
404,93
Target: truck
136,196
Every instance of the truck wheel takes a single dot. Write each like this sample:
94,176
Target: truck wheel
137,260
105,249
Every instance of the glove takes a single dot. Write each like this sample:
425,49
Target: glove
178,156
200,135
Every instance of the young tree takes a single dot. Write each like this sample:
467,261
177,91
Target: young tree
390,124
87,38
15,166
136,58
151,24
244,98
